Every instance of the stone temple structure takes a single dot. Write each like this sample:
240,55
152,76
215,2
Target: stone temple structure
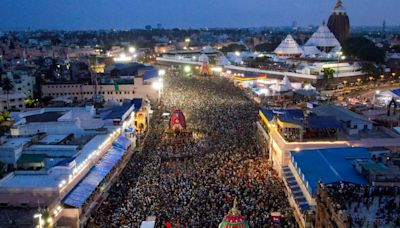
339,23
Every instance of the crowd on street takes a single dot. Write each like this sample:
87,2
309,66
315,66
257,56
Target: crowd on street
194,184
367,206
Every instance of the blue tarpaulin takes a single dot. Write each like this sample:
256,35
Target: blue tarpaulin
331,165
323,122
122,142
78,196
396,91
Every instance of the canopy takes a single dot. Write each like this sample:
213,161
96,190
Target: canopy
122,142
82,191
288,47
323,37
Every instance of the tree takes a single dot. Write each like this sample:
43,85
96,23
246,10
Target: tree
30,103
328,73
364,49
267,47
395,48
371,70
7,86
233,48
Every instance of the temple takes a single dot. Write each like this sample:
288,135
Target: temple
339,22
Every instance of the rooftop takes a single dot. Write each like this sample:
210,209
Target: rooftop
341,113
329,166
44,117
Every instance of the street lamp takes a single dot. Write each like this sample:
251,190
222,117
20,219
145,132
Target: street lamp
187,69
158,85
132,50
161,72
40,219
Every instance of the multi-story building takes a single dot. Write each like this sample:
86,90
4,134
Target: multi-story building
23,81
287,132
115,89
12,101
128,81
53,153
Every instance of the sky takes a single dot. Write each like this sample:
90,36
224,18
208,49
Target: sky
126,14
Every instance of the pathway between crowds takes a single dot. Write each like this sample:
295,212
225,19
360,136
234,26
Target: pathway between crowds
194,184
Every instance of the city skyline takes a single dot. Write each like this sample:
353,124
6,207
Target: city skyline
125,14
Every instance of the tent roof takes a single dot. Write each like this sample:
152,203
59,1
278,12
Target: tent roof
288,47
323,37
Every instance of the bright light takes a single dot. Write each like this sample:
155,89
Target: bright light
123,58
187,40
132,50
237,53
157,85
135,56
229,72
49,220
343,57
187,69
161,72
217,69
378,92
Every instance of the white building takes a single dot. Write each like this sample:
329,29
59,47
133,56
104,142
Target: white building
12,101
54,151
23,82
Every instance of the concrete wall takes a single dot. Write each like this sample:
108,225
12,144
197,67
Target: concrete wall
86,92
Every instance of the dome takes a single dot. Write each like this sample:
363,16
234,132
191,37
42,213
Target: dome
288,47
323,39
339,22
233,219
203,58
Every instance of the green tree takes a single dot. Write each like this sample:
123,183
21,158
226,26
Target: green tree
267,47
233,48
30,102
328,73
371,70
363,49
7,86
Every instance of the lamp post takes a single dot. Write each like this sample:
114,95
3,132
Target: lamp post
132,50
158,85
40,219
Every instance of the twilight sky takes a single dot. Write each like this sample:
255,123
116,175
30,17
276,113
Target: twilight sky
124,14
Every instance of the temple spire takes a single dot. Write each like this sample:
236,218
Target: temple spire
339,4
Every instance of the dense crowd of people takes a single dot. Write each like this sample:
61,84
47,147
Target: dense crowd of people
367,206
194,184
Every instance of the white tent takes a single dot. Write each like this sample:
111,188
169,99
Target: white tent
203,58
223,61
284,86
288,47
311,51
309,87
